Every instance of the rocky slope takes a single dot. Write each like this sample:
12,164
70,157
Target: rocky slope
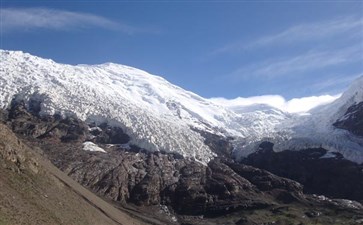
177,189
131,174
320,172
352,119
33,191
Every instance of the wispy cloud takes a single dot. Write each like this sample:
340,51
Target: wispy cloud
25,19
300,33
309,61
295,105
336,82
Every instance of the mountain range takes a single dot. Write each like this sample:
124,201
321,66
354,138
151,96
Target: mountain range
159,116
139,141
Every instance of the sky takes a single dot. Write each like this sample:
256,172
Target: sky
265,51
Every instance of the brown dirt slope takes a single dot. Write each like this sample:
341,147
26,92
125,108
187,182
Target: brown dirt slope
33,191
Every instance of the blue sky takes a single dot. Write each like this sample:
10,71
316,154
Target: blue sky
213,48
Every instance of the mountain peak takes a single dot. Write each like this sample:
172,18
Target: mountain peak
159,116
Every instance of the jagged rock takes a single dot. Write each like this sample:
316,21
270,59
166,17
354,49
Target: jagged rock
106,134
28,124
352,120
312,214
334,177
220,145
3,116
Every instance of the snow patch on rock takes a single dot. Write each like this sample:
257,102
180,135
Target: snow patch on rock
92,147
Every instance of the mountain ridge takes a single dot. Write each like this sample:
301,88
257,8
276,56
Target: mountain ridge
167,155
157,115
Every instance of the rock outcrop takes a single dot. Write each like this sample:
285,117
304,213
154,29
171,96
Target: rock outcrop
352,120
319,171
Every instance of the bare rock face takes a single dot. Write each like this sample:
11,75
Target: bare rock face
3,116
332,176
352,120
148,179
188,187
105,134
213,190
12,151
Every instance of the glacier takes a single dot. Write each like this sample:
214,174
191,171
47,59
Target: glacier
158,116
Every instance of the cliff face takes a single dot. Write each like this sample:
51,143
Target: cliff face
352,120
321,172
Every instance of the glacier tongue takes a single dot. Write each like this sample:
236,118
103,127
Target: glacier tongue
157,115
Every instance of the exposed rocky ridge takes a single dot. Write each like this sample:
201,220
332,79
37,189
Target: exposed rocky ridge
128,174
321,172
221,146
352,120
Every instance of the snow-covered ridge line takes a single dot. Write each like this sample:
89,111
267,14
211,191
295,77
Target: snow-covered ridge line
121,95
141,103
157,115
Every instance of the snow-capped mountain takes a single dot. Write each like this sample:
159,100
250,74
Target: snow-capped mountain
158,115
317,129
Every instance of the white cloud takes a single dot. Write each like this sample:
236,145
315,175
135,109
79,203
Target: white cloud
295,105
24,19
300,105
273,100
300,33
